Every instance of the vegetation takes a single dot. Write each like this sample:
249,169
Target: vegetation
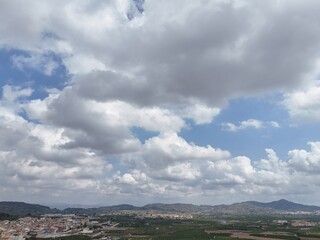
204,228
23,209
275,236
75,237
136,224
5,216
249,208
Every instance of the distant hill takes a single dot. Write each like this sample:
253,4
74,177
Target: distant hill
121,207
253,207
175,207
5,216
21,208
290,206
249,207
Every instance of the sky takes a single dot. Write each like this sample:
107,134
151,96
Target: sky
142,101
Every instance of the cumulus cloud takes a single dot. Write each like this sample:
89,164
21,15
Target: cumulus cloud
104,126
250,123
161,151
232,175
303,160
10,93
199,113
304,105
153,67
31,160
179,51
40,63
79,64
32,155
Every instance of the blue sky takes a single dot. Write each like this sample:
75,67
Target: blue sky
171,101
28,76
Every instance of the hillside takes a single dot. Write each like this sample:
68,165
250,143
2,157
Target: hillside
253,207
114,208
291,206
249,207
21,208
175,207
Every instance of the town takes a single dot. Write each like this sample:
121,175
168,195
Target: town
158,225
63,225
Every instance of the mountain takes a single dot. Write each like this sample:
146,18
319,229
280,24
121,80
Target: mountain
21,208
291,206
253,207
62,206
175,207
249,207
159,207
121,207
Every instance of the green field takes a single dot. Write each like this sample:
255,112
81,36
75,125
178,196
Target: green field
199,228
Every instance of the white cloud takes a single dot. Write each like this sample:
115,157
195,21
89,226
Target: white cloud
181,171
177,60
273,124
250,123
38,62
125,114
303,160
304,105
200,114
165,166
183,58
103,126
11,93
272,163
161,151
80,64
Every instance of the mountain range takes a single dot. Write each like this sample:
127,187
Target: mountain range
248,207
21,208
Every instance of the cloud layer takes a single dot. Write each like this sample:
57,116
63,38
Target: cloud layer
163,67
250,123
